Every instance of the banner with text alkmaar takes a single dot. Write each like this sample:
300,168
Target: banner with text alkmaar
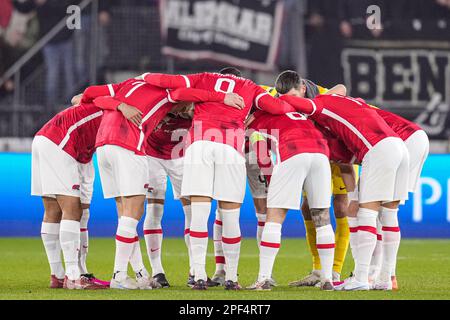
243,33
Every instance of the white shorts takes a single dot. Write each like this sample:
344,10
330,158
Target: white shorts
385,172
418,147
87,177
308,171
53,171
214,170
254,177
353,195
122,172
159,169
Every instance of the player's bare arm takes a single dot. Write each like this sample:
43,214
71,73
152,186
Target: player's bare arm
76,99
348,176
249,120
234,100
338,89
131,113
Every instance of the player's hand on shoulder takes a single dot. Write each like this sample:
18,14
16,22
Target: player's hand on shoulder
131,113
234,100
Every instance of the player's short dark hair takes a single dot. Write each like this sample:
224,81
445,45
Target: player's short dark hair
287,80
231,70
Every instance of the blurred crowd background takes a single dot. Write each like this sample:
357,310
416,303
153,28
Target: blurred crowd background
117,38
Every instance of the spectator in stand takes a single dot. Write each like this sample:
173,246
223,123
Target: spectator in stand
18,32
293,56
352,15
83,43
397,17
444,3
432,17
58,53
6,9
321,12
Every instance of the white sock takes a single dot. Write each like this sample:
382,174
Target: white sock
367,240
377,257
50,239
125,243
199,237
270,245
187,238
394,268
259,229
391,242
136,260
218,247
353,226
154,235
325,244
231,241
69,235
84,241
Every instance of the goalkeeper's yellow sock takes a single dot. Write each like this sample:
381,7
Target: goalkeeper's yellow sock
311,240
342,237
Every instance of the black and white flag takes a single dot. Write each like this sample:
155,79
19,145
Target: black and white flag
244,33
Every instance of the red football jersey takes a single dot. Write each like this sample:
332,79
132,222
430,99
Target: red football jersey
74,130
290,134
357,124
338,150
404,128
216,121
154,103
167,140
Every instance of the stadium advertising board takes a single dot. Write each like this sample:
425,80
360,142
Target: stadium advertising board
244,34
426,214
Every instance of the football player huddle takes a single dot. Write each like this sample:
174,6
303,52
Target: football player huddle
299,146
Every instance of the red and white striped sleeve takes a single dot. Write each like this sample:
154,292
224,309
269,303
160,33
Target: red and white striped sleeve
264,101
172,81
93,92
303,105
194,95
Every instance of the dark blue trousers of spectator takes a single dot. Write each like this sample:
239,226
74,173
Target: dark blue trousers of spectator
59,61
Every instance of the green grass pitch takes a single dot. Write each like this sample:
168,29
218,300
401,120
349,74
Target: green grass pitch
423,272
